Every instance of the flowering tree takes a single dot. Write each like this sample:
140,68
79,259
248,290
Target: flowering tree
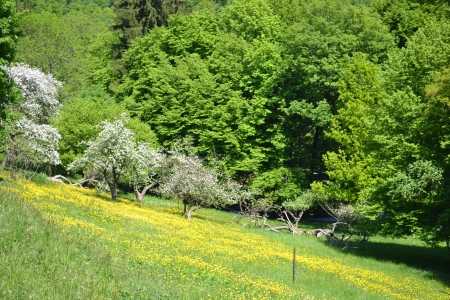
196,185
31,141
108,155
39,92
145,165
113,155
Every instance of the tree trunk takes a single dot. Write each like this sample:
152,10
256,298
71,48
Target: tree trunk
140,195
189,209
114,182
113,189
113,193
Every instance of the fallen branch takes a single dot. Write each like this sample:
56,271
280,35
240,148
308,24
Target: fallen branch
79,183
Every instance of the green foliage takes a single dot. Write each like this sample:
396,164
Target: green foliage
78,120
412,203
302,202
59,7
134,18
279,185
248,87
350,166
252,20
405,18
390,163
423,58
9,31
320,42
73,47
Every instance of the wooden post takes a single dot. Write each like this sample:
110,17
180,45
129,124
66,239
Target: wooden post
294,265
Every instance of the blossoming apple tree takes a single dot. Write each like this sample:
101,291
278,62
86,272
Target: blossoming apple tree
198,186
30,141
114,155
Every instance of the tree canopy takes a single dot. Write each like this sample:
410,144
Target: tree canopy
9,32
347,97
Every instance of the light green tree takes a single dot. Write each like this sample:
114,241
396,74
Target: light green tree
391,164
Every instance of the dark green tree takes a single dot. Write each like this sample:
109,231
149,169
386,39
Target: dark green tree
320,39
134,18
405,17
9,32
426,53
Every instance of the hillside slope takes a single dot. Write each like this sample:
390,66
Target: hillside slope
153,252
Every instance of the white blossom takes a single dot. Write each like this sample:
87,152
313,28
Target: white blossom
39,92
42,140
31,141
145,164
110,151
198,186
114,154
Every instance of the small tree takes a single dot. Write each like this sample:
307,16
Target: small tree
109,155
146,164
346,217
196,185
256,210
291,211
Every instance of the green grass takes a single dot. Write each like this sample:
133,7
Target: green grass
153,252
38,262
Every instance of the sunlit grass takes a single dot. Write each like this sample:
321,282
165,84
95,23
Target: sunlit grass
211,256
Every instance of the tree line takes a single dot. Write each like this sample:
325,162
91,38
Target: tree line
347,99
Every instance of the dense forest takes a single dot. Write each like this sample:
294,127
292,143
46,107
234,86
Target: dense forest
344,100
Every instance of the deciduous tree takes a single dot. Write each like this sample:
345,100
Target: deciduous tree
196,185
108,155
31,141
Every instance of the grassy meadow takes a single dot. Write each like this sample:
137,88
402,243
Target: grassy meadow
64,242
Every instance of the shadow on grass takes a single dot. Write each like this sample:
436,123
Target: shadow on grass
434,261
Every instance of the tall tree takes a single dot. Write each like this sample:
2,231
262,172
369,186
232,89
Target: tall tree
8,31
405,17
426,53
243,86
